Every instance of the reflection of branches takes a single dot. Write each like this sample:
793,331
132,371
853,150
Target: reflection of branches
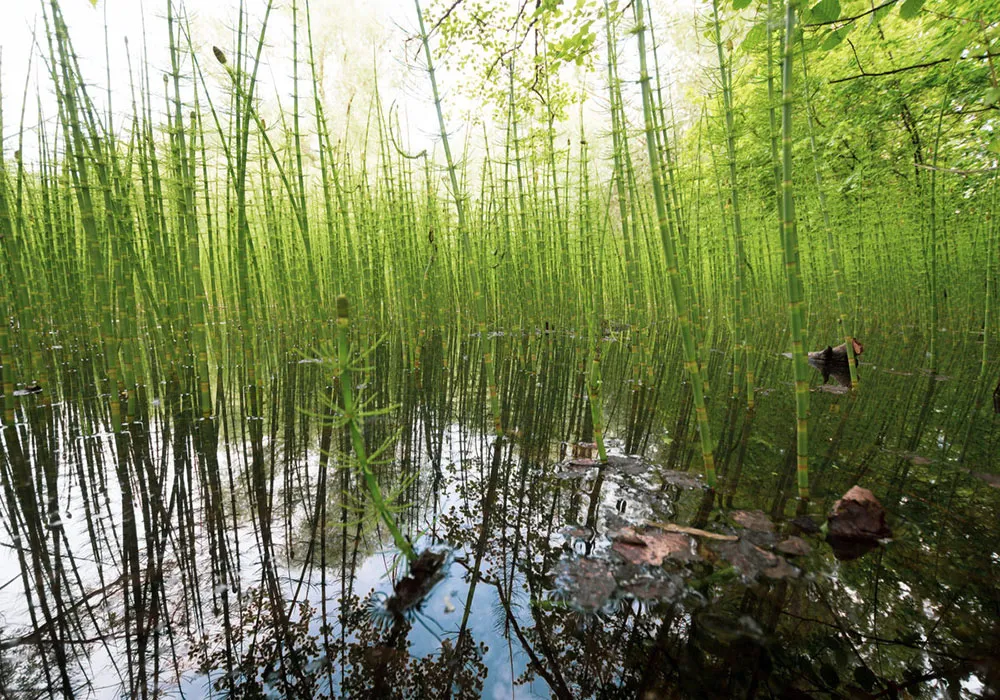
556,682
847,634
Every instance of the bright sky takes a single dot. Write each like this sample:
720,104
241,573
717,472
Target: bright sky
356,38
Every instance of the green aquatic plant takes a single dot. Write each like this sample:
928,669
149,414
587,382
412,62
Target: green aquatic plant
790,241
351,414
677,288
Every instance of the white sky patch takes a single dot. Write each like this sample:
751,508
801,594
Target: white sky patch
356,41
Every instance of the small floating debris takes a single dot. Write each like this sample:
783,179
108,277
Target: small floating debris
411,590
991,479
29,389
835,388
673,527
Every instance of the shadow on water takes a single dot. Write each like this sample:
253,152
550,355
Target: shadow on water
239,555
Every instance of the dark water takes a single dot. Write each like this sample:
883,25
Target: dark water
239,555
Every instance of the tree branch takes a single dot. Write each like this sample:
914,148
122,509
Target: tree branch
890,72
855,17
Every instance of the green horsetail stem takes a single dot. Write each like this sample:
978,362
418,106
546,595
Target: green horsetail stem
932,359
831,246
677,283
189,218
353,415
792,275
742,304
480,303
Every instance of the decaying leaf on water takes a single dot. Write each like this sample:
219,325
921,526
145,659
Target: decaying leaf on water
653,547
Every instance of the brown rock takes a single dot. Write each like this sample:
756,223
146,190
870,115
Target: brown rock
794,546
753,520
858,515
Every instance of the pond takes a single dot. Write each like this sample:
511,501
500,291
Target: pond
240,555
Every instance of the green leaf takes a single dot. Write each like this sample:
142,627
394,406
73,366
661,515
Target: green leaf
835,37
958,44
878,14
910,8
754,38
992,96
93,2
740,4
826,11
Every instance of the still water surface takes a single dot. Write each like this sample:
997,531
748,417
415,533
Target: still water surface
239,555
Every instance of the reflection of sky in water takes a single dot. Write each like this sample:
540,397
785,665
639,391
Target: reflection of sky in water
440,615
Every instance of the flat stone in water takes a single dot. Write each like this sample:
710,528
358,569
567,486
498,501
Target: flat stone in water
794,546
680,479
631,466
858,515
587,583
781,570
753,520
805,524
644,583
752,561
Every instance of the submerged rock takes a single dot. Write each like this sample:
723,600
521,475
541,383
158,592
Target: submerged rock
753,520
856,524
794,546
587,584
